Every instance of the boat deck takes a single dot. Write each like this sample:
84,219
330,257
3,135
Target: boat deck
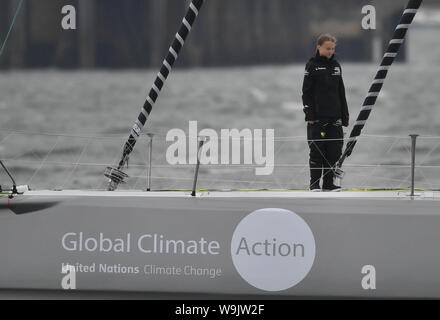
285,194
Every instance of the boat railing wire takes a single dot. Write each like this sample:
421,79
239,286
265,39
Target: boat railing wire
77,161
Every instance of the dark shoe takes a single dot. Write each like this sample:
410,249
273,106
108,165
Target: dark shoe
331,188
315,189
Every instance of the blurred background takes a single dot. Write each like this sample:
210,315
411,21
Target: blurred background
136,33
68,98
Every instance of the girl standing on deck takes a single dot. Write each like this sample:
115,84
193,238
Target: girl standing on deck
326,110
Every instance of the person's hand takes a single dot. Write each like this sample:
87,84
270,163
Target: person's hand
311,122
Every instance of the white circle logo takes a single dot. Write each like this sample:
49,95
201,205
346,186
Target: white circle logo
273,249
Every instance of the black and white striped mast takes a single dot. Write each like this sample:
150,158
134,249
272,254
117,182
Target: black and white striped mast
375,88
115,175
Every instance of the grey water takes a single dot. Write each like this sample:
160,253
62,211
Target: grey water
60,129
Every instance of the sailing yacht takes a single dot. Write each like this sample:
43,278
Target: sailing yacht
290,243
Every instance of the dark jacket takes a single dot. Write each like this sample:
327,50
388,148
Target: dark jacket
324,91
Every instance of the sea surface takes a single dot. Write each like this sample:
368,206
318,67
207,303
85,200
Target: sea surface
60,129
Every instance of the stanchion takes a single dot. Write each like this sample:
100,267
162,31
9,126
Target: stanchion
413,161
196,174
150,156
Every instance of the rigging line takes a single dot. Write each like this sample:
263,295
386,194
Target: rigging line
431,186
406,180
1,53
75,166
381,178
167,65
11,27
421,172
259,182
324,157
382,136
203,179
389,149
376,86
144,174
67,135
144,160
44,161
218,166
123,137
429,154
3,139
275,155
9,174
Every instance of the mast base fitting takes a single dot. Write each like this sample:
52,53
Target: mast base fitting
116,177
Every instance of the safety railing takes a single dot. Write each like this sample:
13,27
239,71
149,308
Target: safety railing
63,161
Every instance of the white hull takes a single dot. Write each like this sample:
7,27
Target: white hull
389,230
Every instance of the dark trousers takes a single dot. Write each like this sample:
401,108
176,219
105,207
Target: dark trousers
324,151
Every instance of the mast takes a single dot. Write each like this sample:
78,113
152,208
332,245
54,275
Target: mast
115,175
377,84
